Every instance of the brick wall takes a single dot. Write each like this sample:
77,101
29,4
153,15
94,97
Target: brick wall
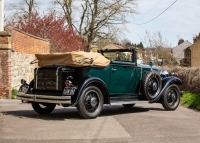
195,57
5,65
17,49
27,43
5,73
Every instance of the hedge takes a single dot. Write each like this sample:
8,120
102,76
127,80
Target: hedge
190,78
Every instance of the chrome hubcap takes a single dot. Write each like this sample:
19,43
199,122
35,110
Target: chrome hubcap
93,101
152,87
172,97
155,86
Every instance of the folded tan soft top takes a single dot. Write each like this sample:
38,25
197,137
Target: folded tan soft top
74,59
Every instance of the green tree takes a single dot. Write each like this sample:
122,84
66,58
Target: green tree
140,45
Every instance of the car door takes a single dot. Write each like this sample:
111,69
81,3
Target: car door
124,79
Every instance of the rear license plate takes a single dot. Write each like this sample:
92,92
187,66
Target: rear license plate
69,90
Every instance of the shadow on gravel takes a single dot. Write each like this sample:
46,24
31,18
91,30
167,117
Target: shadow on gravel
72,113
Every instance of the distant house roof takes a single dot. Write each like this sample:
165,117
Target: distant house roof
178,51
113,46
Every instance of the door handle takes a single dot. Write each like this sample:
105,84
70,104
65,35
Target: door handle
113,69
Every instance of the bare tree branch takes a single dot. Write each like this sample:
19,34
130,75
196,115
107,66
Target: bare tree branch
97,16
24,7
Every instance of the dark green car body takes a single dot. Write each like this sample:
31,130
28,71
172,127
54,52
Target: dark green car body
119,77
88,88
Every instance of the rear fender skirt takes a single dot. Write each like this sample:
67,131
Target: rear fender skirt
91,80
165,83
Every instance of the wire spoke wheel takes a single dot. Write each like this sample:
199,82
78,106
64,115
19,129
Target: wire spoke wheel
151,85
171,97
90,102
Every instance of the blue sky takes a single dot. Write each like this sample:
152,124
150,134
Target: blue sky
182,20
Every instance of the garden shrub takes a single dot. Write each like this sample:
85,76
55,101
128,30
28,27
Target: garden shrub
190,78
14,93
191,100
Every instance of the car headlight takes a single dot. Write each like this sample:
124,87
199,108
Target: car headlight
164,73
23,82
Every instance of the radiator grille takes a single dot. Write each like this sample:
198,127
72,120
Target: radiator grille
46,79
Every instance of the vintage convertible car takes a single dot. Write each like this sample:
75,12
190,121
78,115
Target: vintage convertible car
90,80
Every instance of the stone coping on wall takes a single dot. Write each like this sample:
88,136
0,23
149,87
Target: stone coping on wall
5,47
4,33
2,48
9,30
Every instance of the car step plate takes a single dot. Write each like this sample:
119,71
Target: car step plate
117,102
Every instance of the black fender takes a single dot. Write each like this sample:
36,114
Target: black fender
167,81
83,83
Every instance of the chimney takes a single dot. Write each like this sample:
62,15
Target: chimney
180,41
194,39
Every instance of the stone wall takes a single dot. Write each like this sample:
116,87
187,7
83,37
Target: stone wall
21,68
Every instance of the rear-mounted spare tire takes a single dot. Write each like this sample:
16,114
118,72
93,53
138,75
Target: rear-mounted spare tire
151,85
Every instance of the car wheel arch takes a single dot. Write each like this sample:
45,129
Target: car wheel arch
170,80
166,82
92,81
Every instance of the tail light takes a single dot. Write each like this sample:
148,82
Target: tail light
68,83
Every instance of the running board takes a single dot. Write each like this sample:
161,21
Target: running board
114,102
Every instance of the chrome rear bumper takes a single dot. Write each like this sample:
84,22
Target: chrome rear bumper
44,98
